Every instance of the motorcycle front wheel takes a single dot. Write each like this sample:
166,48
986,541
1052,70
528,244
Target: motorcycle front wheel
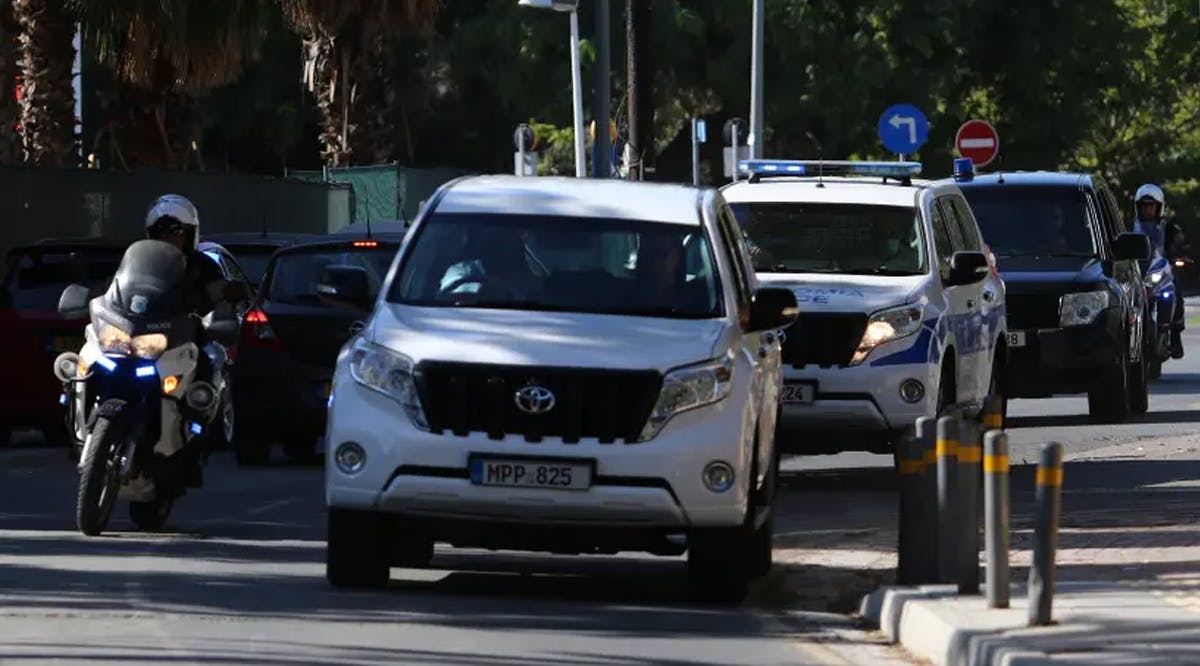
98,482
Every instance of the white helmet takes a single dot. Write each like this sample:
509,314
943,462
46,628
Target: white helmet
1150,193
173,210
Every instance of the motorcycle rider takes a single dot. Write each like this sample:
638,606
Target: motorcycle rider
1167,239
175,220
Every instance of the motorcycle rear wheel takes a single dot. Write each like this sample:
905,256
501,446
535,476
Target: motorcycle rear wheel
97,481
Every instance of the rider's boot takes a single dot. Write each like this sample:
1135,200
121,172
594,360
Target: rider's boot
1176,342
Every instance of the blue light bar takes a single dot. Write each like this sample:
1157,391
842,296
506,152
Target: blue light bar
145,371
62,399
964,169
197,429
829,168
106,363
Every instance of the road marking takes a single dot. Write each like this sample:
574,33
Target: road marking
271,506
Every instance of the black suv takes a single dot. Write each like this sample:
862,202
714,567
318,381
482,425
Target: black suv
1075,300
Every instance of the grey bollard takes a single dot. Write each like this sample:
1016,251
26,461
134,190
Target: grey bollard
996,514
1045,535
970,459
947,518
926,442
908,470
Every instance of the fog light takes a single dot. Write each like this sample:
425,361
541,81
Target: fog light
912,391
350,458
718,476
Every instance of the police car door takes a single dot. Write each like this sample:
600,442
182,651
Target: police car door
958,304
985,318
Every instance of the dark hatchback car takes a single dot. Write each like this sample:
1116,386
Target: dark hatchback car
1075,300
254,250
291,337
34,279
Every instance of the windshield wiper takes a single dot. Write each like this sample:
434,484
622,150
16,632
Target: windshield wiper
880,271
505,304
661,311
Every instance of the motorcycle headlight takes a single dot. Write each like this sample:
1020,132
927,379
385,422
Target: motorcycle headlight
151,345
113,339
389,373
887,325
688,388
1156,277
1083,308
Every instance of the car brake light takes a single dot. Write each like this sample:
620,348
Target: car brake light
366,243
257,331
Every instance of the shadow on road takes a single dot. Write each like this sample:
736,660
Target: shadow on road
1068,420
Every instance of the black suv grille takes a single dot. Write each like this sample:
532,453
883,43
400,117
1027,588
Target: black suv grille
607,405
823,339
1031,311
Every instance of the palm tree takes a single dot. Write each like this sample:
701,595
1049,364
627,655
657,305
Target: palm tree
10,144
164,54
348,68
47,30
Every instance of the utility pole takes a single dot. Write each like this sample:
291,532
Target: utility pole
632,48
639,21
756,82
601,148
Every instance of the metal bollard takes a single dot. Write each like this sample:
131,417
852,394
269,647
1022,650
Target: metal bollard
947,473
926,443
909,468
995,509
993,413
970,457
1045,536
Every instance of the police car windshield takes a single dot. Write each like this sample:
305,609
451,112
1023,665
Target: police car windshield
1033,220
561,264
859,239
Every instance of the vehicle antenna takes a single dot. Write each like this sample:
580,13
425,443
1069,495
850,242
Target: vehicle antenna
1000,169
820,167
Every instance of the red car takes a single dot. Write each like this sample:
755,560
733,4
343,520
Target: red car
34,278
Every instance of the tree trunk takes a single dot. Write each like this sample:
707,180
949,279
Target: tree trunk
10,141
322,69
47,96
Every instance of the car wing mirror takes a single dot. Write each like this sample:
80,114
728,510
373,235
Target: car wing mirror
73,304
772,308
967,268
1132,246
346,286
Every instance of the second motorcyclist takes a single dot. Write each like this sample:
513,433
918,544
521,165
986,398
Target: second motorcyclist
1168,241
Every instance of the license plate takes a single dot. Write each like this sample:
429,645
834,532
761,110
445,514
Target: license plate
1016,338
530,474
799,393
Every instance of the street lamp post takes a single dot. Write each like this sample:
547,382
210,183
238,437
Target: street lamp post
756,80
572,7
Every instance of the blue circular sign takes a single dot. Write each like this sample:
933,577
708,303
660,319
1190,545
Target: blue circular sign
903,129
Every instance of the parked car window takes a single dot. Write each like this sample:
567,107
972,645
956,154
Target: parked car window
1034,220
36,280
964,225
295,276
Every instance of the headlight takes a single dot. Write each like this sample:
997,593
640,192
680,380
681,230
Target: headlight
688,388
389,373
113,339
1082,308
151,345
1156,277
887,325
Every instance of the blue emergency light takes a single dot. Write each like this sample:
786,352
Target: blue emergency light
196,428
766,168
106,363
145,371
964,169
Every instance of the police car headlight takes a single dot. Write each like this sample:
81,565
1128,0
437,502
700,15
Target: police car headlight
688,388
887,325
389,373
1082,309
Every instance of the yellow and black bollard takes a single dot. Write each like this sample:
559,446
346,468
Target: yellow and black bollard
947,522
1045,536
970,458
996,514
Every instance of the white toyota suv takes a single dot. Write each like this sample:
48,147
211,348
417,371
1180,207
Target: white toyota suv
563,365
901,308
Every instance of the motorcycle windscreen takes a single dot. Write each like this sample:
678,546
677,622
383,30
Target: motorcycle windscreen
149,281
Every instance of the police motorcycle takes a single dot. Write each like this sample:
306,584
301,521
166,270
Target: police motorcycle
140,408
1161,292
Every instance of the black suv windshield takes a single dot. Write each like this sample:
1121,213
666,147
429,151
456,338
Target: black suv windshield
833,238
36,279
567,264
1033,220
296,274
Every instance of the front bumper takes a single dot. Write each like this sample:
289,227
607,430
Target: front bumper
1075,359
654,484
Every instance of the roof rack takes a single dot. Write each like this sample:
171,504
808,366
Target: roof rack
902,172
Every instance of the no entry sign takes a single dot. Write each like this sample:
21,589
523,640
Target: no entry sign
977,140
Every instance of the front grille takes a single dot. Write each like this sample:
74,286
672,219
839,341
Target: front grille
606,405
823,339
1031,311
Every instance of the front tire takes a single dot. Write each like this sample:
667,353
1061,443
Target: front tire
356,549
97,481
1109,401
1139,392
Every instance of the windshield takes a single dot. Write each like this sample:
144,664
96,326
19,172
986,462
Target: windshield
833,238
569,264
36,280
1033,220
296,275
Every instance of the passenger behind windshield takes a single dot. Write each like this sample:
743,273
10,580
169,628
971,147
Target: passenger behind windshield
833,238
560,264
1033,220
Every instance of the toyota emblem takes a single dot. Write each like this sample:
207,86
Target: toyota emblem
534,400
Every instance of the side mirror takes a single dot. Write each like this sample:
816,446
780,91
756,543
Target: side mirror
222,327
1131,246
348,286
967,268
73,304
773,308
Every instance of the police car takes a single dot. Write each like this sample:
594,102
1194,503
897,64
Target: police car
901,307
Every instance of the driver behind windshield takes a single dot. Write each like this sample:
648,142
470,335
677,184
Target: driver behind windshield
661,274
493,266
